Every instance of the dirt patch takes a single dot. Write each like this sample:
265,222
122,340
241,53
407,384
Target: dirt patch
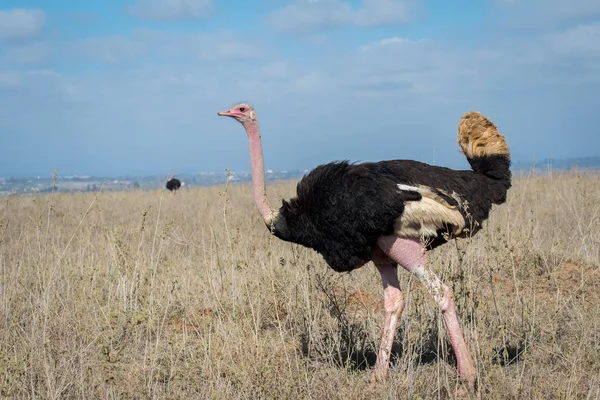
355,299
580,276
571,278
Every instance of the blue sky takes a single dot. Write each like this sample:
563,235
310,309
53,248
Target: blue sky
133,87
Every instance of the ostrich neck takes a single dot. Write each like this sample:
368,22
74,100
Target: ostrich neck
258,172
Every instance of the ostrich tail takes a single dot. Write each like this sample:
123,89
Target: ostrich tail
486,150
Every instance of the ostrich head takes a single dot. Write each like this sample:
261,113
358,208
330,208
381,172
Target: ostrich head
243,113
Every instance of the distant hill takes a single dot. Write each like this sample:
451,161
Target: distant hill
77,183
10,186
558,164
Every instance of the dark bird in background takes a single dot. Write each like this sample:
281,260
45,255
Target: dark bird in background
173,184
390,212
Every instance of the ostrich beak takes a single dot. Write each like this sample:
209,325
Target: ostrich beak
227,113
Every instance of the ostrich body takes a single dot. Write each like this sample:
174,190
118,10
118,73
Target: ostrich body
390,212
173,184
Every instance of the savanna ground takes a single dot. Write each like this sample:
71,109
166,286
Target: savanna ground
146,295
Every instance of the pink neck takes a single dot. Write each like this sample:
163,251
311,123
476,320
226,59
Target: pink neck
258,171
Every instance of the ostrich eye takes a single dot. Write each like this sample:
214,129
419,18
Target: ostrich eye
242,109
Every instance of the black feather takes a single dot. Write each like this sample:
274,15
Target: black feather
340,209
173,184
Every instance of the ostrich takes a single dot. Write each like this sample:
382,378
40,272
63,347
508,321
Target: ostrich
390,212
173,184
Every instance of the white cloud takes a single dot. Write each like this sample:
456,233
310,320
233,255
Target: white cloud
30,53
394,44
275,70
9,79
111,49
313,15
399,66
146,45
171,9
21,23
579,40
545,15
430,73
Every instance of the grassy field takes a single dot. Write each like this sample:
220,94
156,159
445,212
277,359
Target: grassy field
146,295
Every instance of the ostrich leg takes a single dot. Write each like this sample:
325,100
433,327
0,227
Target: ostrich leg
410,254
393,305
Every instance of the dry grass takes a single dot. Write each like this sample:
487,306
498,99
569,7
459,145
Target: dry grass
147,295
